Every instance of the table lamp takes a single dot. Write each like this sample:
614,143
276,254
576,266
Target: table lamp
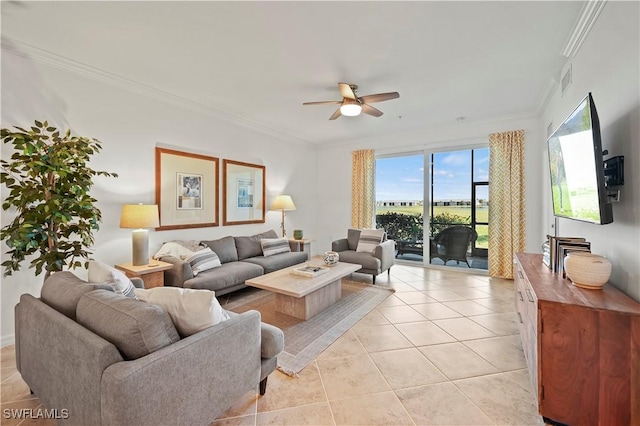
284,203
139,217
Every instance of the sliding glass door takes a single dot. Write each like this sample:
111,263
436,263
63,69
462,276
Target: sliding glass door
451,228
400,203
459,208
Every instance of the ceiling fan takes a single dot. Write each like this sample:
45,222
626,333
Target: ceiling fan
352,104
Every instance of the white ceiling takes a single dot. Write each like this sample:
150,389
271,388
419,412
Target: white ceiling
257,62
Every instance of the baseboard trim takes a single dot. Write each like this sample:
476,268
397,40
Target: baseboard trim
8,340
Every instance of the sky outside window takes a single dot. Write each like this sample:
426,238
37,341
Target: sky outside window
402,178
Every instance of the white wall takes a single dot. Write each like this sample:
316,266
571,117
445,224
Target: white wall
130,126
608,66
334,170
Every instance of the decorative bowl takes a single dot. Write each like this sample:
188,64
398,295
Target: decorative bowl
330,258
587,270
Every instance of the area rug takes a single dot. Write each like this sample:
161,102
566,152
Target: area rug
305,340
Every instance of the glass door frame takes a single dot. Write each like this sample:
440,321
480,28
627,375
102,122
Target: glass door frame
428,202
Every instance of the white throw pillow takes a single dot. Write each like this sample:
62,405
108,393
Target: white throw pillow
99,272
202,260
369,239
271,246
190,310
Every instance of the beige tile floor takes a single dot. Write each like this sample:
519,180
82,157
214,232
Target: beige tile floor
443,350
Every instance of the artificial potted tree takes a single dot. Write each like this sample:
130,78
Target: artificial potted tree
48,180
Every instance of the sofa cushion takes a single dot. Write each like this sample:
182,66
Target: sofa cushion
250,246
225,248
271,246
227,275
202,260
361,258
99,272
190,310
369,240
278,261
136,328
62,291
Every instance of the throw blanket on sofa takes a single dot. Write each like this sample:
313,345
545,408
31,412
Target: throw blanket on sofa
173,249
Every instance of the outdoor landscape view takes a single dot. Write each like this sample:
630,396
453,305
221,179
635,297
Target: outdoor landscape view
459,190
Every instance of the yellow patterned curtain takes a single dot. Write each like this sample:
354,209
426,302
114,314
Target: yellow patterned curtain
363,188
506,195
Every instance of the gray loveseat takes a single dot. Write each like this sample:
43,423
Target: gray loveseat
241,259
144,373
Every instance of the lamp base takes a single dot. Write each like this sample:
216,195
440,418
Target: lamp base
140,247
284,232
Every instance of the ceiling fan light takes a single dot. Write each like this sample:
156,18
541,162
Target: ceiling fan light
350,109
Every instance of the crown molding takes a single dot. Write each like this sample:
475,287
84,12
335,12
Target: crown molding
42,56
588,16
443,128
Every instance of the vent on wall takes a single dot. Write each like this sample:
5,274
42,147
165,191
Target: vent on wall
566,80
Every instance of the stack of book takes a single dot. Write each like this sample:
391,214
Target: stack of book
310,271
546,253
559,247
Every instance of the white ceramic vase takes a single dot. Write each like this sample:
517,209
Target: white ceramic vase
330,258
587,270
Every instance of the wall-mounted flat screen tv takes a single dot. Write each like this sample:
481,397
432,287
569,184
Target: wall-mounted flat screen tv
577,168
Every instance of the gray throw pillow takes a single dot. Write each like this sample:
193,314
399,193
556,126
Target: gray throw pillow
225,248
250,246
136,328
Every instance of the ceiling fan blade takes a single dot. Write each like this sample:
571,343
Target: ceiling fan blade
379,97
368,109
321,103
335,114
346,91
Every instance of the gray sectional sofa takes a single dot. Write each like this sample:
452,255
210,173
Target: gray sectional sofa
241,259
94,357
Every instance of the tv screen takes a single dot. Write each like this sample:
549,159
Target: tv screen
576,167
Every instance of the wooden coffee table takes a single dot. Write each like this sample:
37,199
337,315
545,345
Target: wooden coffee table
303,297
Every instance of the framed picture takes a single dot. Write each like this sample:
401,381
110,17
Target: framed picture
243,193
189,188
186,189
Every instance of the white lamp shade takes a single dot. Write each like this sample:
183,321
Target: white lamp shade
283,202
139,216
350,108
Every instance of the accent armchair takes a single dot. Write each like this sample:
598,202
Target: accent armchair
375,262
453,243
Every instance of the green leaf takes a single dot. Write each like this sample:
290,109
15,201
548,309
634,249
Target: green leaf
48,180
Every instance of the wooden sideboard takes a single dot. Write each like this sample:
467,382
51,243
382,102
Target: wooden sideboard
582,347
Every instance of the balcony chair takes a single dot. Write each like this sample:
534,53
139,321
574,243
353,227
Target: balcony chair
452,244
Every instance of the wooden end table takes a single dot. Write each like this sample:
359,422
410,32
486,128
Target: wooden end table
152,274
303,245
